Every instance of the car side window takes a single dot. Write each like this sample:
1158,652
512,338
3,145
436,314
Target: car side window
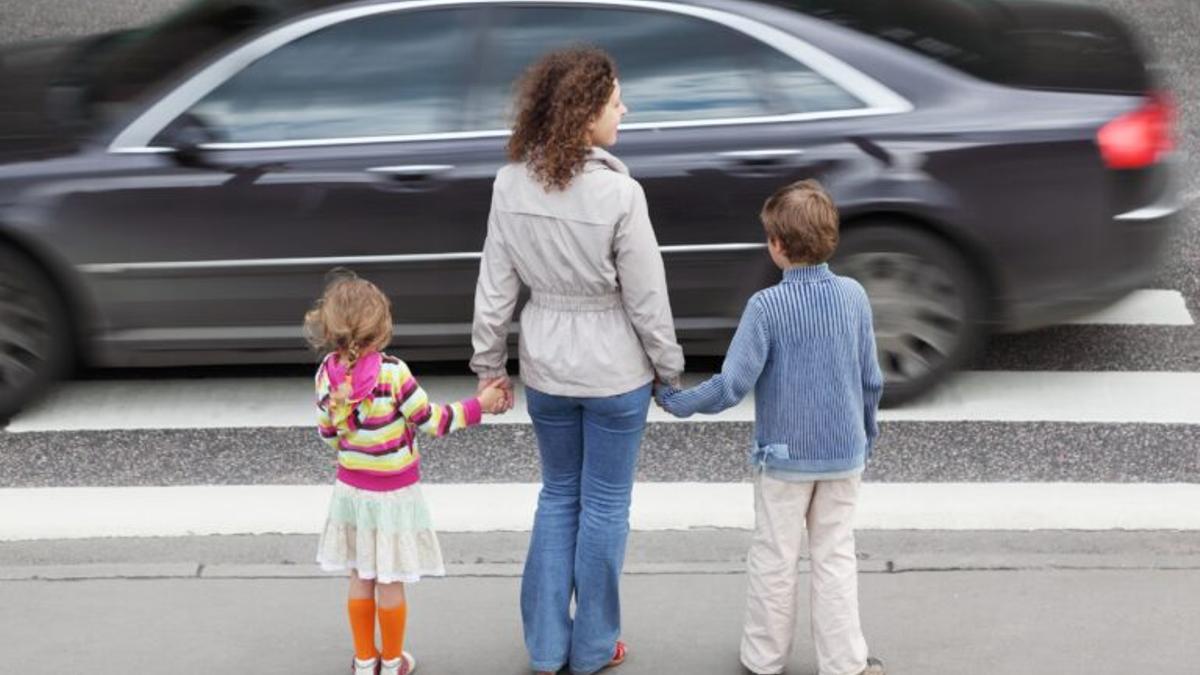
672,67
393,74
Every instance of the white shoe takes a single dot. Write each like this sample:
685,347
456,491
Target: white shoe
874,667
405,665
367,667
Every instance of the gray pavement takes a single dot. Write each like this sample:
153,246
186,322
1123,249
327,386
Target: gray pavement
932,603
708,549
703,452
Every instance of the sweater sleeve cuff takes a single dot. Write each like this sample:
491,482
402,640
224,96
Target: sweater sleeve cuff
668,399
492,373
474,411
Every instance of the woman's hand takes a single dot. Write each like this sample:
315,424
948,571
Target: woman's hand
662,391
495,395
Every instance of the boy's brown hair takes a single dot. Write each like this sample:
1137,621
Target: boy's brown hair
804,220
352,317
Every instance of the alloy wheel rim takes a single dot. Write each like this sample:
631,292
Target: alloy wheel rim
920,316
25,339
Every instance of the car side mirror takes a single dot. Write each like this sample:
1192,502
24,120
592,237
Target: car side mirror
186,137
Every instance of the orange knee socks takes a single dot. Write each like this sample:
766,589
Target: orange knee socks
362,625
391,629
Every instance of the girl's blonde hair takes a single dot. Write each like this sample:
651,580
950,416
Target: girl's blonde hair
352,317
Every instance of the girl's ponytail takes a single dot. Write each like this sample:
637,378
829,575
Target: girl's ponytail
352,318
340,396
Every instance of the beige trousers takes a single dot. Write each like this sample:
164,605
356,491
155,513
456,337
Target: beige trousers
782,512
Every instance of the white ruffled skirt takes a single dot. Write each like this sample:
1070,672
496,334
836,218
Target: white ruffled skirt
386,536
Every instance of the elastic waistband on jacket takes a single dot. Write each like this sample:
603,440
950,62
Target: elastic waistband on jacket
576,303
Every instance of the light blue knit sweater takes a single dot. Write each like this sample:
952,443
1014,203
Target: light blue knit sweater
807,348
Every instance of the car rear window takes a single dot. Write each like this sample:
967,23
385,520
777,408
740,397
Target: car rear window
1022,43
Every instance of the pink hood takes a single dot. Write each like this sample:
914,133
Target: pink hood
363,376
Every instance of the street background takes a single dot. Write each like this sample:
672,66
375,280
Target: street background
1040,514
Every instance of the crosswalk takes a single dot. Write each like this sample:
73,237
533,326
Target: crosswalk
62,478
1001,396
1142,308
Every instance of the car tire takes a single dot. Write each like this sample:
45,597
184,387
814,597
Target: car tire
35,337
929,306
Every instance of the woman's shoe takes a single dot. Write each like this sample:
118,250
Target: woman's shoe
874,667
619,654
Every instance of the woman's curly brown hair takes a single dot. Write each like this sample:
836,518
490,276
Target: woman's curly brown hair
557,97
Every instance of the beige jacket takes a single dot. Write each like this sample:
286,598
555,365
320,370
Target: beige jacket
598,321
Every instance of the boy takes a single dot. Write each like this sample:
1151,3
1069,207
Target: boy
807,348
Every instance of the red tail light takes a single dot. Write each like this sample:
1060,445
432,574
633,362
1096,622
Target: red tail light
1140,138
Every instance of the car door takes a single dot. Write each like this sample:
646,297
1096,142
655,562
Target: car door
334,141
723,111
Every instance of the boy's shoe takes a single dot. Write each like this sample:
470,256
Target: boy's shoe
367,667
874,667
405,665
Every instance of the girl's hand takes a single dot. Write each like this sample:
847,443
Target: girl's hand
493,399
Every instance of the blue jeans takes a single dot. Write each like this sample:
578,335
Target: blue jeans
589,451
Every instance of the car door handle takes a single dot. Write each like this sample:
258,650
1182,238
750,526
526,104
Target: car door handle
409,177
410,171
764,156
760,163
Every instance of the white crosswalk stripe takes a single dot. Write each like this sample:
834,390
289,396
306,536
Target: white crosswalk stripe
1143,308
1006,396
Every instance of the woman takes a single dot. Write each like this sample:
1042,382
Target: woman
568,221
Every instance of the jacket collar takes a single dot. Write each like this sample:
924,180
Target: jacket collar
599,158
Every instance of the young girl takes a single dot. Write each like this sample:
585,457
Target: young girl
369,409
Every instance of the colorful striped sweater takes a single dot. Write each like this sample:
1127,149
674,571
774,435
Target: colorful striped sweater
375,435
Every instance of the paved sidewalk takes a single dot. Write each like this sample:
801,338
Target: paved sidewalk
933,604
934,623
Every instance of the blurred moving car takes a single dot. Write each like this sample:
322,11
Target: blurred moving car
175,194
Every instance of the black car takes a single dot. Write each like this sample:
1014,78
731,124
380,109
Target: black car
175,195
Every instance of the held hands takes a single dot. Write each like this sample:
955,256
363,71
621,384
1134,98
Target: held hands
496,395
660,391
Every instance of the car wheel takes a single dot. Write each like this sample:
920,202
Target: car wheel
35,341
929,307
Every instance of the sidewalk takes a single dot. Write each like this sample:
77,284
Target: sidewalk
1101,603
